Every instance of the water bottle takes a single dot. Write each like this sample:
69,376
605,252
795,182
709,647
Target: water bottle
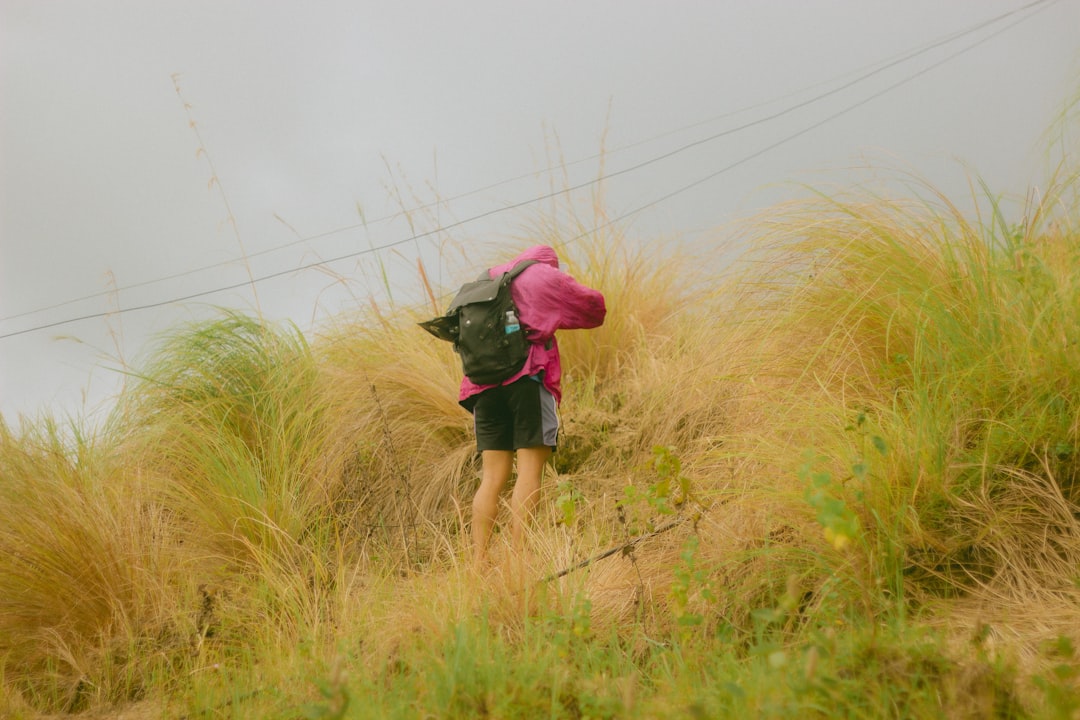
512,324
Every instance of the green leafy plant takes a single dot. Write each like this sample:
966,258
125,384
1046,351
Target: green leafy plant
334,692
567,503
1058,684
666,494
691,582
838,522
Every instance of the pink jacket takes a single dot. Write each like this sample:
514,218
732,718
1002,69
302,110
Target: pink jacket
547,300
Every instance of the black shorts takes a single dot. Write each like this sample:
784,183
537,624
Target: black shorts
523,414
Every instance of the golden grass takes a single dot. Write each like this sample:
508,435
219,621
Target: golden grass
87,578
876,413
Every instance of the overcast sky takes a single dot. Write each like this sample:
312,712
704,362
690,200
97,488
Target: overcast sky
319,120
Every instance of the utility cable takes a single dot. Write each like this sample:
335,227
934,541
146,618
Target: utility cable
860,75
657,201
623,548
805,130
878,68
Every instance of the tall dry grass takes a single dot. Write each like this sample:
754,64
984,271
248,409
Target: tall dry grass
90,606
926,361
230,424
875,416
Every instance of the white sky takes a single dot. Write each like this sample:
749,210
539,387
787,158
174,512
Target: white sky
309,111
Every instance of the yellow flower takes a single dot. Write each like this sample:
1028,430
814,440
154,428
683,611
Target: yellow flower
837,539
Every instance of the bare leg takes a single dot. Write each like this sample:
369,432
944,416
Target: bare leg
530,471
497,467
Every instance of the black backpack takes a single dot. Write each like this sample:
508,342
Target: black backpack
483,324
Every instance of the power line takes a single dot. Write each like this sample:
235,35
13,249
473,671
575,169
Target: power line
405,212
416,236
645,163
442,201
805,130
861,76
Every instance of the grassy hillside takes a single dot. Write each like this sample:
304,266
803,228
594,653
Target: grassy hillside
841,479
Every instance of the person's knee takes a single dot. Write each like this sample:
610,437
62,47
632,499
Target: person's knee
484,501
531,461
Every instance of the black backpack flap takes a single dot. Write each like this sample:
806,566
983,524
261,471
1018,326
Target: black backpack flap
443,327
446,327
478,291
485,289
488,355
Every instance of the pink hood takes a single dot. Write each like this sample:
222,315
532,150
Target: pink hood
547,300
541,253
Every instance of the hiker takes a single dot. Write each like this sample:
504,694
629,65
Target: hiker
519,416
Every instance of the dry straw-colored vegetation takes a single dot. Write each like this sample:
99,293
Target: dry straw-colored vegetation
842,477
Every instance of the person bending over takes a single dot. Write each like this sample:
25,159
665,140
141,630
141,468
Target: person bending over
520,415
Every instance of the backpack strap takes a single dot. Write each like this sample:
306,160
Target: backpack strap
512,273
520,267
